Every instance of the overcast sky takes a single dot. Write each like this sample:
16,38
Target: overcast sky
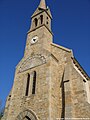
70,26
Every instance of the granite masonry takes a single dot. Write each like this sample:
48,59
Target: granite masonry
49,82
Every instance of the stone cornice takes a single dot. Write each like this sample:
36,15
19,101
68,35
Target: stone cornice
61,47
40,27
43,10
76,63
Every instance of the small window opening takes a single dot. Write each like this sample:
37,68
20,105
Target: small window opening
41,18
9,98
27,87
27,118
84,80
34,83
47,23
36,22
47,18
9,95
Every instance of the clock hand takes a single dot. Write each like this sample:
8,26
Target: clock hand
34,40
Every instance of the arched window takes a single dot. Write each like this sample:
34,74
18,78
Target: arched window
36,22
34,82
47,23
27,118
41,18
27,86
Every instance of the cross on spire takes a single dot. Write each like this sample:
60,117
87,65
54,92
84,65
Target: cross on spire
42,4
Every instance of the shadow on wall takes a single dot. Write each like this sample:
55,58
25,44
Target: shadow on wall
63,98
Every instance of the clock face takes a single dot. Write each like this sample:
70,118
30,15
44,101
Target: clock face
34,39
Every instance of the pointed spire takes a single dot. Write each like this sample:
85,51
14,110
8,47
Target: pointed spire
42,4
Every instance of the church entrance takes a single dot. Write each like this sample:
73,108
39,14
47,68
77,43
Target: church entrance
26,115
26,118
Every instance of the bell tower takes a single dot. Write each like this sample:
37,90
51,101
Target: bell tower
41,17
49,83
29,98
40,35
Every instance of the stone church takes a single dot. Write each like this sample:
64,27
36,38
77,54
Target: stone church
49,82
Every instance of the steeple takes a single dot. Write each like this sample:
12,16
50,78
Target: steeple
41,17
42,4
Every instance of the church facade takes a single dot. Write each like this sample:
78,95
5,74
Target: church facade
49,82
